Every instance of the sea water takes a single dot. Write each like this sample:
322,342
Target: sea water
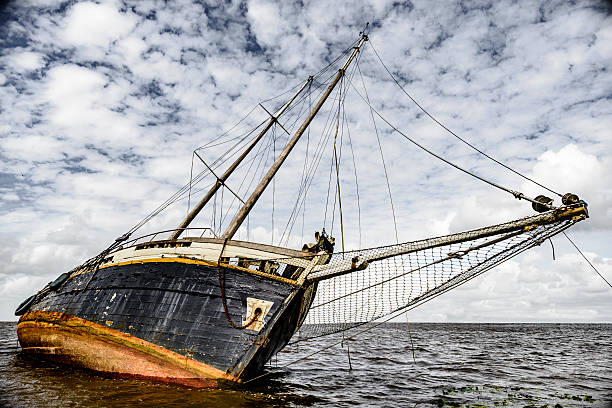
424,365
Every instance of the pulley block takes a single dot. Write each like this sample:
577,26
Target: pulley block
546,202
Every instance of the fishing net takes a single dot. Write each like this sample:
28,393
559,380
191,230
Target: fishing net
358,287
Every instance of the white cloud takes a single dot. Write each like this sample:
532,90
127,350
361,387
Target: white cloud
103,103
73,92
266,21
9,196
572,170
26,61
132,49
530,288
96,25
32,146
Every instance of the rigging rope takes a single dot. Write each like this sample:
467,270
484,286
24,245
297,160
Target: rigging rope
518,244
586,259
290,125
304,170
304,187
301,105
180,194
273,182
337,165
382,157
257,173
518,195
356,182
186,189
360,286
318,155
190,182
453,133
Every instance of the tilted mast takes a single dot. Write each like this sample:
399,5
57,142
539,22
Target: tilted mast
246,208
221,180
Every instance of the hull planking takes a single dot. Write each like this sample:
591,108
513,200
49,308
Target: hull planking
163,319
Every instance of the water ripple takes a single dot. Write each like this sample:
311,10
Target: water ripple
491,365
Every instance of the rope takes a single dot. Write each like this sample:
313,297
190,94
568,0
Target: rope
382,157
304,172
185,191
190,182
331,167
263,152
453,133
312,167
273,182
180,194
209,143
257,173
214,212
586,259
518,195
411,342
221,274
338,166
348,132
300,201
336,158
352,337
318,155
251,162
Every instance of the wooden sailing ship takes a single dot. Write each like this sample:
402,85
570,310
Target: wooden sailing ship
199,311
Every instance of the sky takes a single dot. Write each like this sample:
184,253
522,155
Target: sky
102,104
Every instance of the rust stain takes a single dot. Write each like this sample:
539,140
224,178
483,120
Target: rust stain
76,341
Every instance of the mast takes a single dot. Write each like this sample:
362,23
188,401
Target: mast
246,208
221,180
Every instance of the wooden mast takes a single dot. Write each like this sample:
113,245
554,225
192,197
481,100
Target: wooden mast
246,208
221,180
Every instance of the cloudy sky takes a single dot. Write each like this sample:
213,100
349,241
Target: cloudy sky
102,104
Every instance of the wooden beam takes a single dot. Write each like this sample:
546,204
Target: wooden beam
246,208
221,180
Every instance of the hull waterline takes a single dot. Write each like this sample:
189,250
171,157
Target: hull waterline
163,319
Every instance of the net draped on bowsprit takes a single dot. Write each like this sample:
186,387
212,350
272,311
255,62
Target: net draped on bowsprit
358,287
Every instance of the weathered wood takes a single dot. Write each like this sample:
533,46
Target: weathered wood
209,249
327,271
256,245
221,180
175,306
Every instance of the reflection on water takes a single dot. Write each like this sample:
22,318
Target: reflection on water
512,365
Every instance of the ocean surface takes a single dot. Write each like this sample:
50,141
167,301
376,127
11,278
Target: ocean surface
395,365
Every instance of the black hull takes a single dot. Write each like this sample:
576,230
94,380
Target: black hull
177,305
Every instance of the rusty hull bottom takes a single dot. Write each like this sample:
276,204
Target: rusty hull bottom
78,342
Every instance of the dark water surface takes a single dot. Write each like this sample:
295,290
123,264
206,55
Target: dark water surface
475,365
